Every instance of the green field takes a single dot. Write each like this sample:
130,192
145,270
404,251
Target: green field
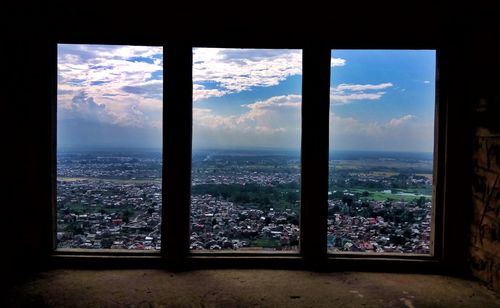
376,195
378,165
264,243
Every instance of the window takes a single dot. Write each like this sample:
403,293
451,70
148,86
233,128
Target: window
381,151
109,146
246,149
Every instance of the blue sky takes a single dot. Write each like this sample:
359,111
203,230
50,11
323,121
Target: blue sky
245,98
109,96
383,100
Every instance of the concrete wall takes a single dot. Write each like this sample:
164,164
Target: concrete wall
484,230
469,36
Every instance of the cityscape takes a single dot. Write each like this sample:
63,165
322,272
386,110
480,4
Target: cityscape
245,201
380,202
245,196
109,200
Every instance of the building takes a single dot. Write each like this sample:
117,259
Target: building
465,36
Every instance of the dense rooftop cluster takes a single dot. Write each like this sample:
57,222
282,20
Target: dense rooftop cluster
396,227
218,224
109,202
248,203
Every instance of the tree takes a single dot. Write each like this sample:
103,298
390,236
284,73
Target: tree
106,243
347,200
126,216
421,201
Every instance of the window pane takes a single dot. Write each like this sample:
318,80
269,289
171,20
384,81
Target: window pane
109,146
246,149
381,151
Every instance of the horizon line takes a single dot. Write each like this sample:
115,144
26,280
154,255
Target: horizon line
266,149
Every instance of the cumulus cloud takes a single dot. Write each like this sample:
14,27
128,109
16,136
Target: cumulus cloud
126,81
347,93
201,92
148,89
133,116
351,126
236,70
267,115
83,106
271,106
354,125
276,118
352,133
204,117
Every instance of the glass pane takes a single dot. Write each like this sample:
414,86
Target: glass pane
246,149
381,151
109,146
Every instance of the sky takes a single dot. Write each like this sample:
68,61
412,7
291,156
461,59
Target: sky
383,100
111,96
380,100
246,98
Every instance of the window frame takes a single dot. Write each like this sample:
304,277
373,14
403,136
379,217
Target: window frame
436,235
176,173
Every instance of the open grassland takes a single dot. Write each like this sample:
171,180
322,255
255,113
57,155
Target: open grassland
376,165
396,195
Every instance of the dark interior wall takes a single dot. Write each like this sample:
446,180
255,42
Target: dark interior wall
484,246
464,36
26,55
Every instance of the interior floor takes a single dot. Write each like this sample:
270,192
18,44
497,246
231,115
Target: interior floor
245,288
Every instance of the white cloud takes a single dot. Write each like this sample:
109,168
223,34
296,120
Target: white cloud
350,126
337,62
276,118
397,122
85,107
281,112
203,117
125,80
236,70
351,133
342,99
279,117
363,87
347,93
353,125
427,81
200,92
124,51
131,113
265,114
